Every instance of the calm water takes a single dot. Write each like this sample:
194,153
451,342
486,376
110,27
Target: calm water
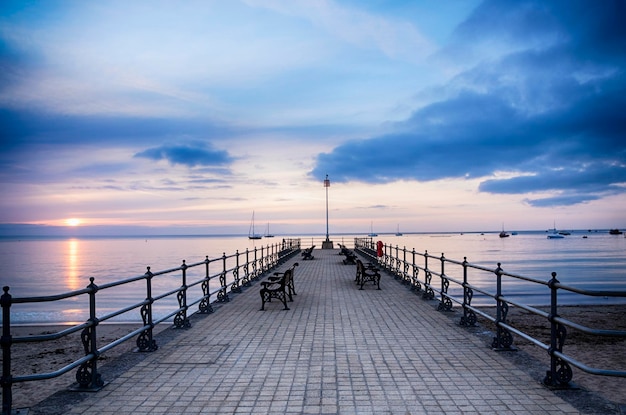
46,266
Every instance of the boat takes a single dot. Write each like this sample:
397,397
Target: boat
372,230
251,234
267,232
503,234
554,234
615,232
398,233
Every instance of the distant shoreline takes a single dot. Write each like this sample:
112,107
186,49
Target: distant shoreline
63,232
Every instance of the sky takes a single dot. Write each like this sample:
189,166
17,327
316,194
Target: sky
185,117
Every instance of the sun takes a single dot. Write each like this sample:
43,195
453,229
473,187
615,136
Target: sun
72,222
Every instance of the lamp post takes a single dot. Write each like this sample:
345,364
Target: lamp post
327,244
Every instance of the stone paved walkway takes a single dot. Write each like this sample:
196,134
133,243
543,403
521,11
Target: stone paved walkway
339,350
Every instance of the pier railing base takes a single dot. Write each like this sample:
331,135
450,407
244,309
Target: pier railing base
327,244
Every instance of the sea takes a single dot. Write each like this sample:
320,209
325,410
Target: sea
45,266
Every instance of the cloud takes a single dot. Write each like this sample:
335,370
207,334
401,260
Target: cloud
27,129
573,185
190,155
395,38
546,108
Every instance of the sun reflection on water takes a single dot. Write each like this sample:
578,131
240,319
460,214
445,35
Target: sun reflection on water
73,281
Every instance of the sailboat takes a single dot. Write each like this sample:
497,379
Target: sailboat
372,230
398,233
554,234
251,234
267,232
503,234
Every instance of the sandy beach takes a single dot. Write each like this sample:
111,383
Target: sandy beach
608,353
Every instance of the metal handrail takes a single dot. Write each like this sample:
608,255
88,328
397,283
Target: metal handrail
394,261
232,274
318,240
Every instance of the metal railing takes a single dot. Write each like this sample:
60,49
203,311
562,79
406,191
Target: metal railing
317,241
232,272
403,265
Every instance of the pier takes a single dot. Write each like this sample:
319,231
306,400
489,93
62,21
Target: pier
337,350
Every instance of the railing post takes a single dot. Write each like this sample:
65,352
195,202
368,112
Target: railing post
87,375
405,267
264,259
236,287
145,340
415,286
255,271
503,339
6,341
222,295
397,270
274,256
205,305
469,317
560,373
445,304
246,270
429,294
392,262
181,320
402,268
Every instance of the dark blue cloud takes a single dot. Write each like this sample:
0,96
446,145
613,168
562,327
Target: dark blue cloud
191,155
551,109
575,185
26,128
29,139
15,64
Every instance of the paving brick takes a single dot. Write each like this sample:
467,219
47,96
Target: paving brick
337,350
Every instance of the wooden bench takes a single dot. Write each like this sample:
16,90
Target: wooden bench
308,253
278,288
367,273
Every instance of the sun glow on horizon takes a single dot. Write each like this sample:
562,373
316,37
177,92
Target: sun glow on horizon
72,222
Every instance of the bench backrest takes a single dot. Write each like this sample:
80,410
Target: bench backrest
360,268
283,281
